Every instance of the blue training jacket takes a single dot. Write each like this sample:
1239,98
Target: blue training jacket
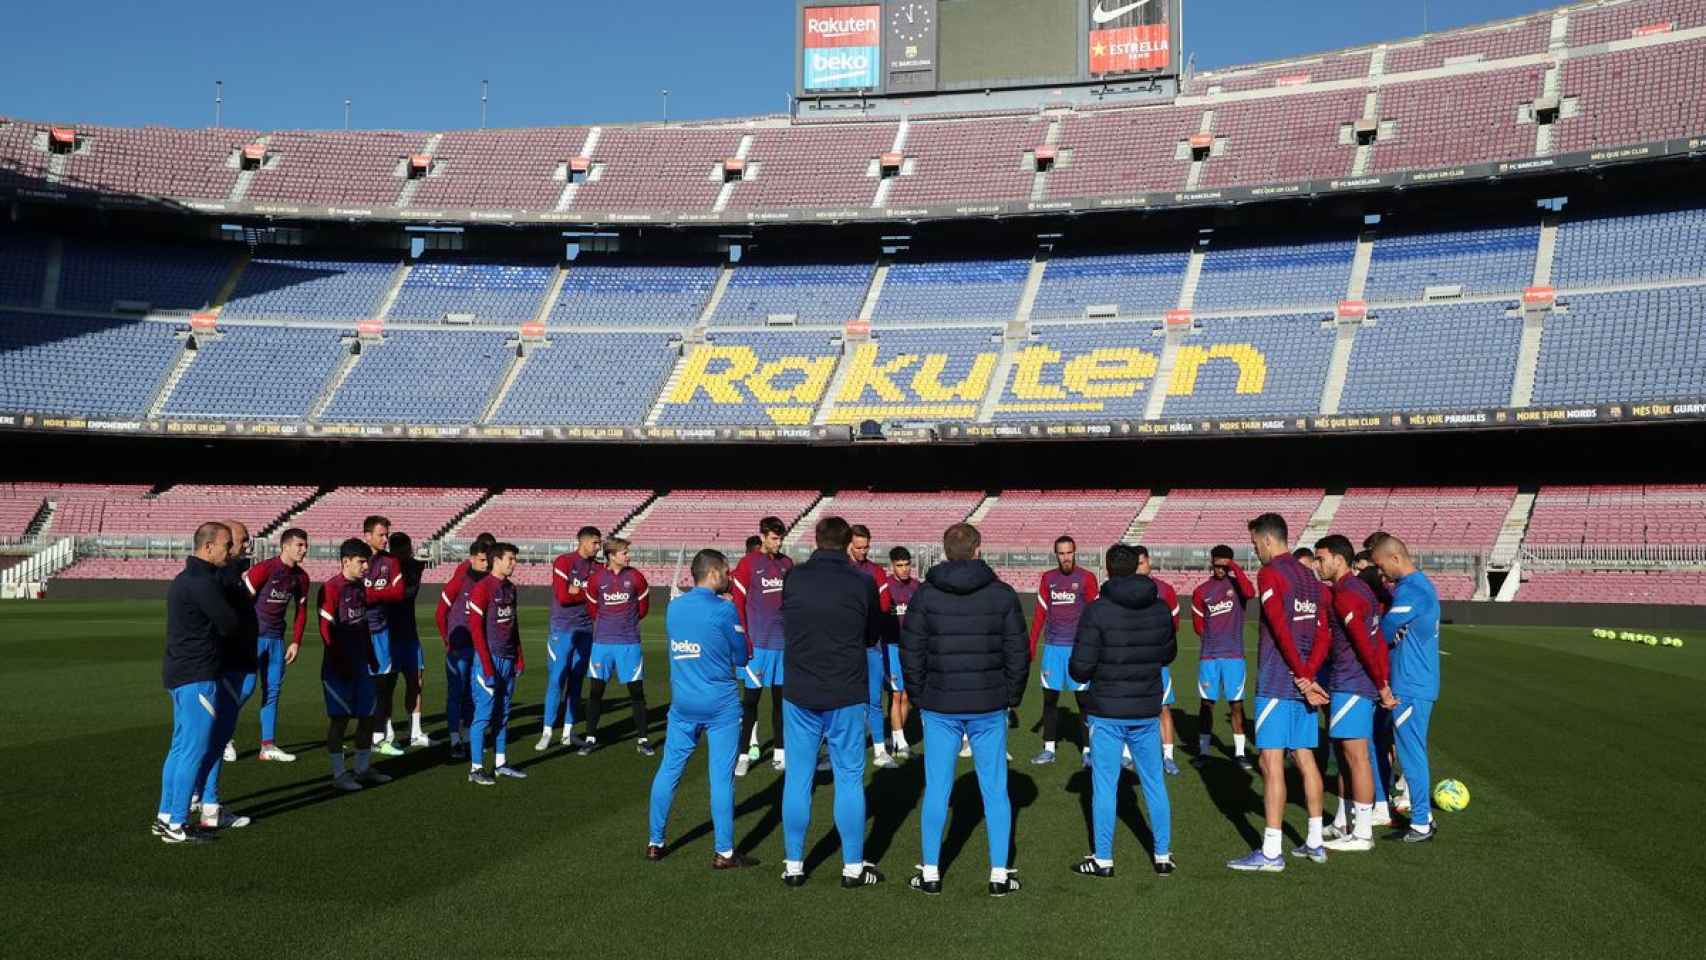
1412,627
707,649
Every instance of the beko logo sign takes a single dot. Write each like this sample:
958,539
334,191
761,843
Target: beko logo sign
1102,15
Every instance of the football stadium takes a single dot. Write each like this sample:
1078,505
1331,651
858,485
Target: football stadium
1380,372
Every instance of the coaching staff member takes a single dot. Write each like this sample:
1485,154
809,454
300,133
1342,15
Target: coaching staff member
965,655
830,617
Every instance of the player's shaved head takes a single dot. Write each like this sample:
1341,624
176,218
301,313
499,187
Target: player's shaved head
239,536
710,570
1392,556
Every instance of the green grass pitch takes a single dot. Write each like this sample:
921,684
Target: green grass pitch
1583,757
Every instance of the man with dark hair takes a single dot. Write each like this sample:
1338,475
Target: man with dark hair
1169,599
753,543
859,549
1412,626
1063,595
619,598
965,656
385,587
757,592
706,649
495,627
273,585
1306,557
1356,672
1125,639
1217,614
902,587
346,672
452,618
1294,643
830,615
198,623
570,645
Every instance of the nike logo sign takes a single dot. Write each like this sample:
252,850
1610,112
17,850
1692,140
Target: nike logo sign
1103,16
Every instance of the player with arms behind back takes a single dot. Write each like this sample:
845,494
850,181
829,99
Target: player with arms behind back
1217,614
452,618
1063,595
274,584
757,594
1293,645
860,551
495,627
1357,671
619,598
902,586
346,673
1169,597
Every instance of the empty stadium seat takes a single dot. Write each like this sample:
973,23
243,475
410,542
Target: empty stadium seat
1630,346
936,290
1449,356
1246,366
494,293
82,366
258,373
276,286
588,378
632,294
825,293
420,376
1243,275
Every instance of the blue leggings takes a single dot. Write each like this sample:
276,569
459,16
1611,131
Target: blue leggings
269,673
807,730
1108,739
988,735
194,709
228,702
723,736
876,663
491,708
459,688
567,653
1410,732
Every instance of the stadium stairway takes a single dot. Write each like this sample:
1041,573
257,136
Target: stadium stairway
673,380
1507,549
804,524
511,373
464,514
1339,366
570,187
55,266
982,509
826,406
239,264
1321,521
627,526
1145,516
246,178
334,383
1534,317
398,278
283,521
406,197
173,377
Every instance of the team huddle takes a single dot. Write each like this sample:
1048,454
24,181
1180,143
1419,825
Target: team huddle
1351,636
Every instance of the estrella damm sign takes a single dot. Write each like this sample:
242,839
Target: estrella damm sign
789,388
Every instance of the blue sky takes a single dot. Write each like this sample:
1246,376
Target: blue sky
419,65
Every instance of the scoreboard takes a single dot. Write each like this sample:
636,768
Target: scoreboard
907,47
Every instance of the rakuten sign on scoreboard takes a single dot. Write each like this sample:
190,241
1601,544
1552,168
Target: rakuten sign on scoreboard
842,47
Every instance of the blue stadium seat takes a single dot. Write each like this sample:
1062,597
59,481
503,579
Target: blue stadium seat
1239,276
753,378
83,365
1632,346
23,270
93,275
1485,261
1642,245
276,286
1251,366
816,293
495,293
1139,283
1085,371
621,294
423,376
1439,357
589,379
952,290
258,373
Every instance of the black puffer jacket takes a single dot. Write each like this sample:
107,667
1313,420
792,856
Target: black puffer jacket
830,616
963,647
1124,639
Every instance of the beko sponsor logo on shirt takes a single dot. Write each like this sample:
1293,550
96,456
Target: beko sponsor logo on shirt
504,614
770,584
279,595
1302,607
1063,596
684,650
1224,606
616,598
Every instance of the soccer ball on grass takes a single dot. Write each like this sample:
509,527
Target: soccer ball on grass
1451,795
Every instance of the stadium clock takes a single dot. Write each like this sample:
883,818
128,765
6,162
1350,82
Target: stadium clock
910,22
